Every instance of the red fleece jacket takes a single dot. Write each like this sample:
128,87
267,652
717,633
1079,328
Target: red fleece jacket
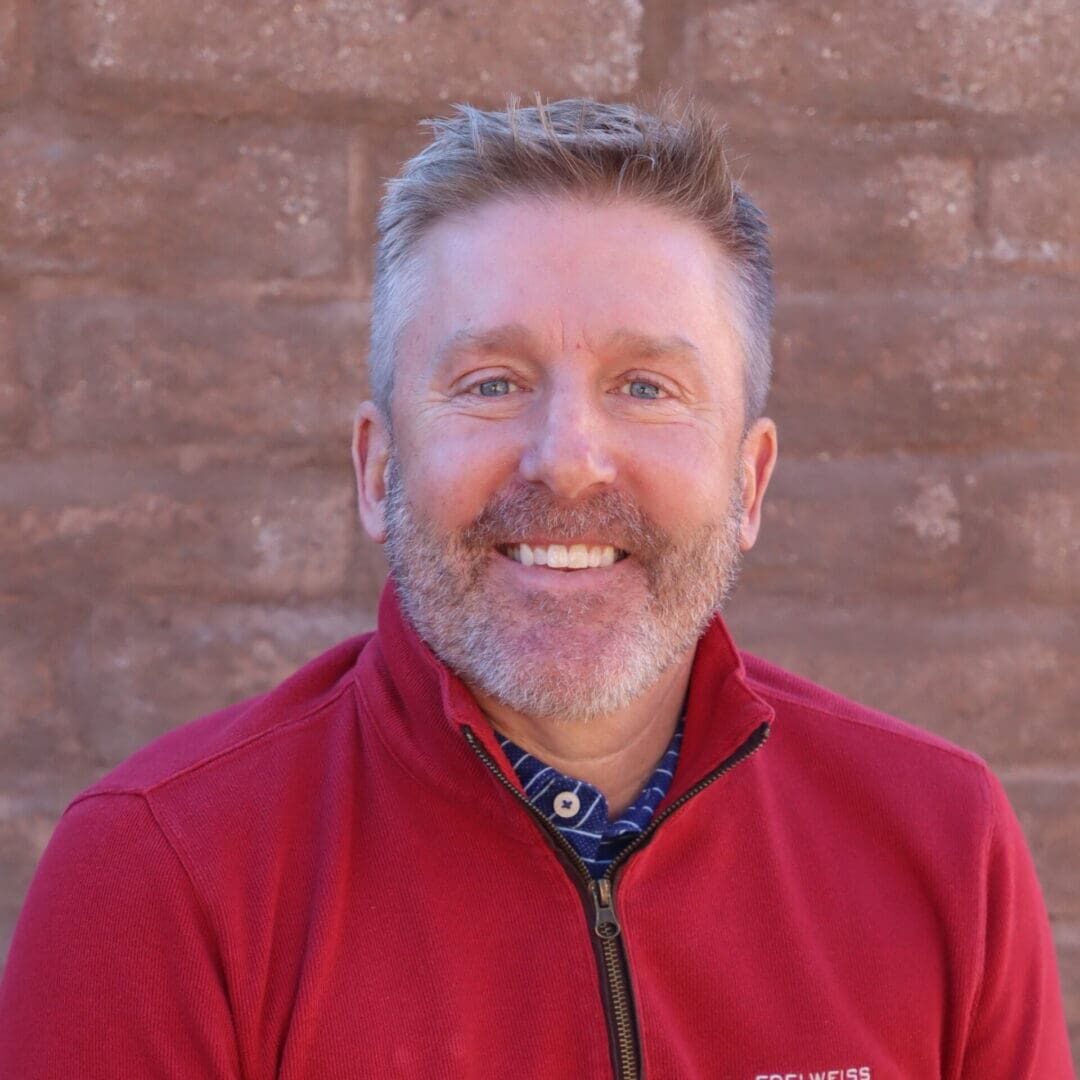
330,881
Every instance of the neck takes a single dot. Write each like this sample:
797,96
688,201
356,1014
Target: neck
615,753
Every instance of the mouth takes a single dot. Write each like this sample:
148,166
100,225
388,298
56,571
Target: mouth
564,556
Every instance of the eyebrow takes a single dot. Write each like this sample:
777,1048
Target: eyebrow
511,338
517,339
646,347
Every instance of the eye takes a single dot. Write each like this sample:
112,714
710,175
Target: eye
643,389
493,387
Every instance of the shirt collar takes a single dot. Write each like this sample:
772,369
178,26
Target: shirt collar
422,707
545,787
579,810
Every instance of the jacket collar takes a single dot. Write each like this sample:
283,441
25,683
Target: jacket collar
421,707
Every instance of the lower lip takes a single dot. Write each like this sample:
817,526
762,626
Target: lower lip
564,581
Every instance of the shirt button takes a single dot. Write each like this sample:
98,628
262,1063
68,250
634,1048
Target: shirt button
567,804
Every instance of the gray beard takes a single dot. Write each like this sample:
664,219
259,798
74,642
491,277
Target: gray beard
527,652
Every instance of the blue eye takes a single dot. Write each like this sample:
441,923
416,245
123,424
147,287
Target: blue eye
646,391
493,387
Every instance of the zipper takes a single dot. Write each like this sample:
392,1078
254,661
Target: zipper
599,894
618,1003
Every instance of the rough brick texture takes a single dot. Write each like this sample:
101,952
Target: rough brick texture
844,212
245,532
1049,811
1067,939
142,372
951,530
405,52
1000,681
44,754
14,63
187,194
16,401
1034,208
927,374
865,60
220,202
135,659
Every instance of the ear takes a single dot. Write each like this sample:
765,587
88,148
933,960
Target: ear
757,458
370,454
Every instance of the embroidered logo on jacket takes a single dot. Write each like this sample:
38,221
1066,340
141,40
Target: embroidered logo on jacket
844,1072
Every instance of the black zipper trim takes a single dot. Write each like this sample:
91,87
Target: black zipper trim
745,749
598,896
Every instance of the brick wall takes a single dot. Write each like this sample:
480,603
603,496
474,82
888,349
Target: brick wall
186,196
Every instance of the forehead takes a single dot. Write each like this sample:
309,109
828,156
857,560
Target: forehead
565,266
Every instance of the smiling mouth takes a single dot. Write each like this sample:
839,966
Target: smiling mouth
564,556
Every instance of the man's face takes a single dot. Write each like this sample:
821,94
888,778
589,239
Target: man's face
570,390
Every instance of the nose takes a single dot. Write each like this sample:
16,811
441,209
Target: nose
569,448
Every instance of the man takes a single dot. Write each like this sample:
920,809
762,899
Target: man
547,821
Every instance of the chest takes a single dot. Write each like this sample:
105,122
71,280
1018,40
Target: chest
731,960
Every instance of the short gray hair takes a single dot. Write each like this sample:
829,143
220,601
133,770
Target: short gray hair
673,157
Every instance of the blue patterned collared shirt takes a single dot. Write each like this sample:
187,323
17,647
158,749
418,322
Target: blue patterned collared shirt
579,811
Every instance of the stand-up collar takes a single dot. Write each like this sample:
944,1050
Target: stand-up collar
422,706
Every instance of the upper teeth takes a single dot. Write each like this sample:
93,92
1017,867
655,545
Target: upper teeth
562,556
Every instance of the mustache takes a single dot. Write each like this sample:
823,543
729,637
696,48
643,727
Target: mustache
520,511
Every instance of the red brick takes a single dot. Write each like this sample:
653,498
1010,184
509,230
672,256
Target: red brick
42,760
1034,211
39,750
999,682
144,666
155,371
90,524
846,58
206,203
970,531
14,55
16,401
405,53
1067,941
857,375
22,840
1026,520
850,215
1048,807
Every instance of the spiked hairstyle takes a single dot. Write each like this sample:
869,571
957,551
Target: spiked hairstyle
672,156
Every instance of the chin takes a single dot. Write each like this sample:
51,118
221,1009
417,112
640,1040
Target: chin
579,700
564,674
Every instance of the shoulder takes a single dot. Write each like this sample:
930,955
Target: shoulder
236,807
245,733
890,762
802,702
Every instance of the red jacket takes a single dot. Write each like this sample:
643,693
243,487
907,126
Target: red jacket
331,882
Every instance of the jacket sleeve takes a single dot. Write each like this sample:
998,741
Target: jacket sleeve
1017,1029
113,970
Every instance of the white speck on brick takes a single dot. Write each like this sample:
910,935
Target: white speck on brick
933,514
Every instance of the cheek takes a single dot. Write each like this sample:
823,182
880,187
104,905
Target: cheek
681,479
452,472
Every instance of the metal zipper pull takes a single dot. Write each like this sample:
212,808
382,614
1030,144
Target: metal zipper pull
607,925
